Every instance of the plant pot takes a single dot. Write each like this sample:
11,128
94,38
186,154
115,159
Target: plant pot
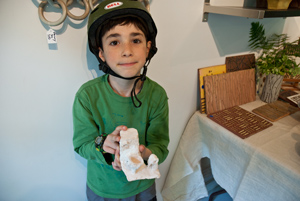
278,4
271,88
260,82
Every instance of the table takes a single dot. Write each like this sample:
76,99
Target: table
263,167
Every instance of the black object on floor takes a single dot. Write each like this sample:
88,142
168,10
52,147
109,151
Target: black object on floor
213,195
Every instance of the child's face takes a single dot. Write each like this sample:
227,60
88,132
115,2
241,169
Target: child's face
125,50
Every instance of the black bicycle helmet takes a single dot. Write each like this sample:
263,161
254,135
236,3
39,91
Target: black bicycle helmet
110,9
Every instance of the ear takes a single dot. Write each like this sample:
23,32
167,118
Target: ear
101,54
148,47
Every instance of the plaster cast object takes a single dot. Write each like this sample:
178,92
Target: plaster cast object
131,160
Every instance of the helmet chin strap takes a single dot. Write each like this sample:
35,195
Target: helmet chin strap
106,69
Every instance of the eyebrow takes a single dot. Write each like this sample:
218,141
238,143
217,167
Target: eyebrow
114,35
136,34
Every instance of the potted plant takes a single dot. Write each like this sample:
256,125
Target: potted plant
275,59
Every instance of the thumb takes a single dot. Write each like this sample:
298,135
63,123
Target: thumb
142,148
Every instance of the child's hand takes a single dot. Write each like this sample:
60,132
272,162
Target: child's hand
145,152
117,164
111,145
112,140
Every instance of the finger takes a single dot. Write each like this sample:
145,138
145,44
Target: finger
115,135
118,129
117,157
115,138
145,152
109,149
112,141
117,163
142,148
118,152
116,167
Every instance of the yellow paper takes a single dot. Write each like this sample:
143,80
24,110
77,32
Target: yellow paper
213,70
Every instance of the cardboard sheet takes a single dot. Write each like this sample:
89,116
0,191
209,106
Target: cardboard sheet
229,89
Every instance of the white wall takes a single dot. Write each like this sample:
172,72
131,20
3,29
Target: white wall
38,84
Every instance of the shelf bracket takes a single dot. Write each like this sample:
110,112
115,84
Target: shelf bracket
205,14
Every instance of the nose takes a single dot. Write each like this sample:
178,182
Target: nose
127,50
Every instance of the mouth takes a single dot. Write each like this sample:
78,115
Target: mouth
127,64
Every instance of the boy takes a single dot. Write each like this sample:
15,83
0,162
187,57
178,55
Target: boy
122,37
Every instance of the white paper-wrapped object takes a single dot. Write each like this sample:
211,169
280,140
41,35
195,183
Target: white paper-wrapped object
131,160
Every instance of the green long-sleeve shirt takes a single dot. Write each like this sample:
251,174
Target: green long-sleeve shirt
98,109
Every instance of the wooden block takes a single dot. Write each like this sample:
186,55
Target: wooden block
275,111
295,99
212,70
240,62
286,93
229,89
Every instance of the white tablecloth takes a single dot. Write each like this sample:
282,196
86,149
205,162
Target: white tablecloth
263,167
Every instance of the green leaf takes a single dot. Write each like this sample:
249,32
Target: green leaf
277,55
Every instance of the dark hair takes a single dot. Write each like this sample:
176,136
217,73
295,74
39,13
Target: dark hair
124,20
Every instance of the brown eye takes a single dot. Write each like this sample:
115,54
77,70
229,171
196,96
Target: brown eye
113,43
137,41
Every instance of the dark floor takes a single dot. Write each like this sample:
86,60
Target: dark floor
211,185
221,197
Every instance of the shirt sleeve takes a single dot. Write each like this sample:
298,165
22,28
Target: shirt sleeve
85,132
158,131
